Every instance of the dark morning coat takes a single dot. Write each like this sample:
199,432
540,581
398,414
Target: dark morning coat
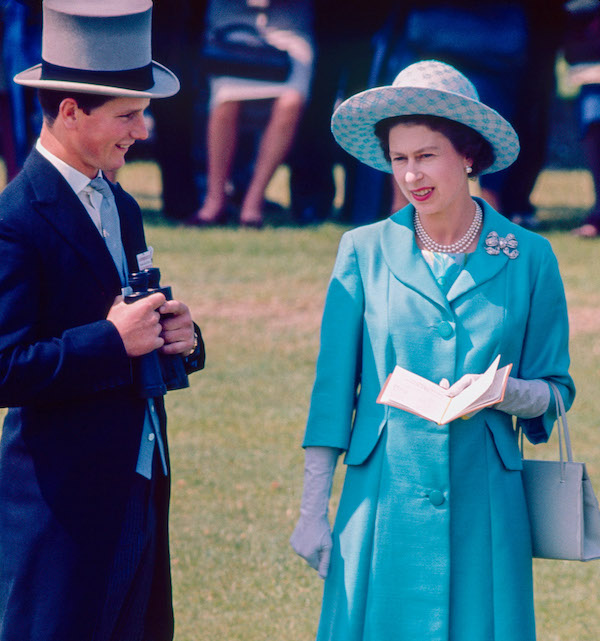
70,441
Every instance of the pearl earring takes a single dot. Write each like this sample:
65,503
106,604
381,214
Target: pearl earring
468,169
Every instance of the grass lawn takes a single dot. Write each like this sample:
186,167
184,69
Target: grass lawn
235,435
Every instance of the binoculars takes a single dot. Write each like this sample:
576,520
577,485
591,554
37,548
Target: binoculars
155,373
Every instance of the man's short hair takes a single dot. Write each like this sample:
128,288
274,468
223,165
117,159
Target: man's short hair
50,100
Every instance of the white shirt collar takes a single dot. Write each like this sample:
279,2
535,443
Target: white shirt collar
74,177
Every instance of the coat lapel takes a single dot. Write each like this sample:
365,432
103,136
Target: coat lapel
406,262
481,266
404,258
60,206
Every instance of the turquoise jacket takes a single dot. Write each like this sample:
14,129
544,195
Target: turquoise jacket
432,538
514,307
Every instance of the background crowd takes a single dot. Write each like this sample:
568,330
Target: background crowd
220,140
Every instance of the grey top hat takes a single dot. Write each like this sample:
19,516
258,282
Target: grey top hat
100,48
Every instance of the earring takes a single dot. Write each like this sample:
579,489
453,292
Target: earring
468,169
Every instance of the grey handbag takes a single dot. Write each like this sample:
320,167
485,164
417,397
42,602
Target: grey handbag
563,509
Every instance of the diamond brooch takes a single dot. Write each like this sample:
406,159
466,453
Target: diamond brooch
495,244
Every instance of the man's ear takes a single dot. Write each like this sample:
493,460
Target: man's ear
69,113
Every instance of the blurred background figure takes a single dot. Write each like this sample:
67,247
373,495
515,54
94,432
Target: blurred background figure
21,48
7,142
582,52
286,25
344,31
536,88
178,26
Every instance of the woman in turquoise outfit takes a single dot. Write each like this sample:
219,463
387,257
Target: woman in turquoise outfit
431,540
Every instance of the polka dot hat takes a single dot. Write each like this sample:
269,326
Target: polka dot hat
428,87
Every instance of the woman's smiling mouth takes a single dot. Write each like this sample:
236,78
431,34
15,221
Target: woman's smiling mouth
422,194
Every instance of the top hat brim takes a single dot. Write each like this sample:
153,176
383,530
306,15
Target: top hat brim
353,122
165,84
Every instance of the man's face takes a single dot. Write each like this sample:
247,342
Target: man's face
103,137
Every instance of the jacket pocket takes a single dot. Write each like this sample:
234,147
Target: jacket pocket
365,436
505,438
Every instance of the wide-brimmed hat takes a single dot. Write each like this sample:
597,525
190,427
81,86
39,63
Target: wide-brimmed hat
99,47
429,88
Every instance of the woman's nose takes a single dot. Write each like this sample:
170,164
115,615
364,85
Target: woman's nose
412,175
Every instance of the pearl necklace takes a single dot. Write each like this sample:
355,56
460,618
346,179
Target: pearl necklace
460,246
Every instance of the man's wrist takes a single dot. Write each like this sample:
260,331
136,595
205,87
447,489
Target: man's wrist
195,346
194,361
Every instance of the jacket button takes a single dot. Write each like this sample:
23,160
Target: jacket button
445,329
436,497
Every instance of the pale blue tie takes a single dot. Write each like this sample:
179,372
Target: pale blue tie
111,228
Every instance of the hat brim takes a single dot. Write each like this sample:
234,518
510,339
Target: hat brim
353,122
165,84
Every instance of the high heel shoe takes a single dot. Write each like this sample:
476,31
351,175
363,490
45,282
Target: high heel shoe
587,230
257,223
253,219
216,221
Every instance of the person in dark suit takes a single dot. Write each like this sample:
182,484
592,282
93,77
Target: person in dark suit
179,141
84,471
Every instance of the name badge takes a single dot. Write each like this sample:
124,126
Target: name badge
144,260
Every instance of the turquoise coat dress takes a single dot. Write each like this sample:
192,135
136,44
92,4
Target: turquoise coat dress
432,539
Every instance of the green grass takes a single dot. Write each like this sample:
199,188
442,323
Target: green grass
235,435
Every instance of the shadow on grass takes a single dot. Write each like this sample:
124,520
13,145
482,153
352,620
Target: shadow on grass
550,219
275,216
560,218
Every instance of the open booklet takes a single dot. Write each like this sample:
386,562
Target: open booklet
413,393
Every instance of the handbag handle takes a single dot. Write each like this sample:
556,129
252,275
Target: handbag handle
220,34
561,417
563,431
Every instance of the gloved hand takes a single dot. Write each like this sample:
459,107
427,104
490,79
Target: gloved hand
462,383
312,537
522,398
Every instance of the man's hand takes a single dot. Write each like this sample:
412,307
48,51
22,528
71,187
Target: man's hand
177,328
138,323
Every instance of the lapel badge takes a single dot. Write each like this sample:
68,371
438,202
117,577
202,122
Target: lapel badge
495,244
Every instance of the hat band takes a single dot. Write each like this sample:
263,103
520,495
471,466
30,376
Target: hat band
137,79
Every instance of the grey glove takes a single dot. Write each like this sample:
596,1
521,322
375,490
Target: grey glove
525,399
312,537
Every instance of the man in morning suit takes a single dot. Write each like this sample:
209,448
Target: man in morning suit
84,472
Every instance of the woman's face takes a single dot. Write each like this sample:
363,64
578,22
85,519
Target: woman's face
428,169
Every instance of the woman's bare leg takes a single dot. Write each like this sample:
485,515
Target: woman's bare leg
274,145
222,138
